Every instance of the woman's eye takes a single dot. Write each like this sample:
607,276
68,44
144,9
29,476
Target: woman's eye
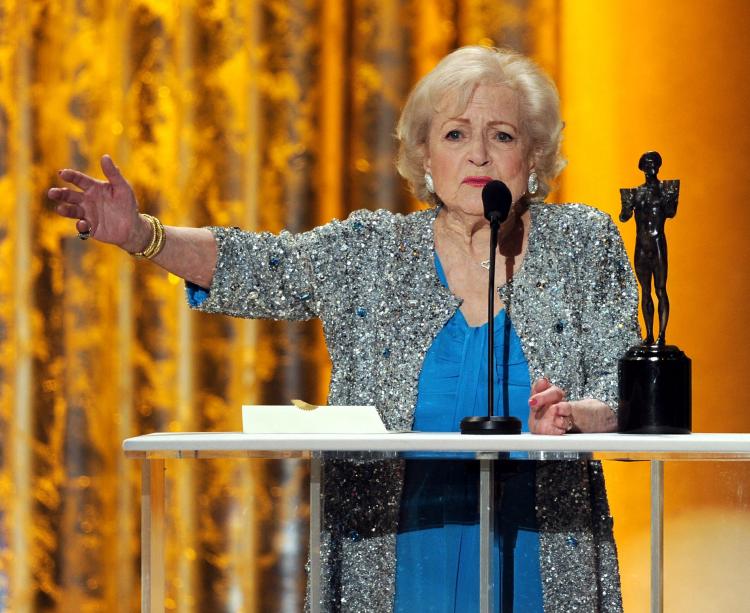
453,135
503,137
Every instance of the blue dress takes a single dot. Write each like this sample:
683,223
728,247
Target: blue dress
437,546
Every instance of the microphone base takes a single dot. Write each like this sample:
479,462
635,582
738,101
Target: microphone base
491,425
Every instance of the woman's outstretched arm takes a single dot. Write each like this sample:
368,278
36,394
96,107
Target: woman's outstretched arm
108,211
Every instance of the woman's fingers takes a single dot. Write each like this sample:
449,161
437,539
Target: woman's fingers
553,430
77,178
73,211
565,409
548,427
563,416
554,419
84,226
112,172
540,385
550,395
563,422
106,210
66,195
551,427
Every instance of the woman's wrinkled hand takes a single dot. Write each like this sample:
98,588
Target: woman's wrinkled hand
107,210
549,412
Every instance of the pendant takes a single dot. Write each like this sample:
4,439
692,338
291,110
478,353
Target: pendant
485,264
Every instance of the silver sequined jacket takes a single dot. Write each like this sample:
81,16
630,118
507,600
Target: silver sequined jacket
371,279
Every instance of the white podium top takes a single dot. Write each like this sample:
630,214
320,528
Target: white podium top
531,446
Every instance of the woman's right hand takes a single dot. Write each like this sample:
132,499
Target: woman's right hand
108,210
550,413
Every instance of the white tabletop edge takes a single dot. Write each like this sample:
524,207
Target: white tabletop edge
729,443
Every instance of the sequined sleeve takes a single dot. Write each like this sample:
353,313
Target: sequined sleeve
610,312
285,276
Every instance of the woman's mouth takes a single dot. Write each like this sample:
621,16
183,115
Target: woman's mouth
477,181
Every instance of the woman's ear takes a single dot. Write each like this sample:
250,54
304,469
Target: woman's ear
533,158
426,164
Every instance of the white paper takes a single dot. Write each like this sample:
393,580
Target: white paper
283,419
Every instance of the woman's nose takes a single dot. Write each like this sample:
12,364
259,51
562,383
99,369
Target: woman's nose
478,155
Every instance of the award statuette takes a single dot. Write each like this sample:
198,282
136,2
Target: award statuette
654,378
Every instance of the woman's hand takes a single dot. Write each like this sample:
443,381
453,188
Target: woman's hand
108,210
549,412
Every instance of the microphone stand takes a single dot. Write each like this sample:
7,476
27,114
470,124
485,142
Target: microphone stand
492,424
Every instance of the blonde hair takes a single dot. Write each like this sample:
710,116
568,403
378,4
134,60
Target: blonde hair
457,75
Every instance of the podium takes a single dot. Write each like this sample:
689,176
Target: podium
154,449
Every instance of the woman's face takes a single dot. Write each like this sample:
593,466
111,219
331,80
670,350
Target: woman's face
482,144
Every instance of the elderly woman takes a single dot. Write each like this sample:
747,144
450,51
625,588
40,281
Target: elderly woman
403,304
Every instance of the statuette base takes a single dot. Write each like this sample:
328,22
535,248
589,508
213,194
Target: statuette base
655,391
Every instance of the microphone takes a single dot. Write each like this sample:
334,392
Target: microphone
497,199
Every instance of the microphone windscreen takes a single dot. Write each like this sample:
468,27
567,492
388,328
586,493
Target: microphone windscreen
497,199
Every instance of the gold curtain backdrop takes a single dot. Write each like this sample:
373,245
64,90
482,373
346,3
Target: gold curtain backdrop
276,114
265,115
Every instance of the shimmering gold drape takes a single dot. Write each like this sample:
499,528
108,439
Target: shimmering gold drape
279,113
264,115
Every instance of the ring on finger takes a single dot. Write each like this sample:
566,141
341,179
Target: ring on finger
566,422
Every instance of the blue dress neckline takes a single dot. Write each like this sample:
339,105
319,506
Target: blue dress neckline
444,281
437,545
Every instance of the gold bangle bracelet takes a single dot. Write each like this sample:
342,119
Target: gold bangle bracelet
158,238
157,242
